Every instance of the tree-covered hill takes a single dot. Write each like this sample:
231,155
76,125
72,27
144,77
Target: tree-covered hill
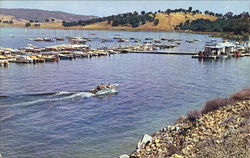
135,19
236,24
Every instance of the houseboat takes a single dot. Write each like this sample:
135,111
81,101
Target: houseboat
215,50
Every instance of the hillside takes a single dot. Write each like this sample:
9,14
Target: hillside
42,15
167,22
8,19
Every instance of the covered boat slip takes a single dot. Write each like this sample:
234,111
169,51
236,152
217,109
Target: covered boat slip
215,50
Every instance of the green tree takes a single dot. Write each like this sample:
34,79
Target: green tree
27,25
156,22
206,12
190,9
135,13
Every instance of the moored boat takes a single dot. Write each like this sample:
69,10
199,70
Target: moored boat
123,40
3,61
24,59
59,38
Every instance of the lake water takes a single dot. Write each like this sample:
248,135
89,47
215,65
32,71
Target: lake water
18,38
45,110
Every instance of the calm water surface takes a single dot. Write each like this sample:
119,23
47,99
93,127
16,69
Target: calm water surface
18,38
45,111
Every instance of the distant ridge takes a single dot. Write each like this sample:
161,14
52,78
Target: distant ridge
42,15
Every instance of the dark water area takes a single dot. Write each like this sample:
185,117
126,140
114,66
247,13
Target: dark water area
45,110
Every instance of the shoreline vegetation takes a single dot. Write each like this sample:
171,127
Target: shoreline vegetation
220,129
223,35
228,26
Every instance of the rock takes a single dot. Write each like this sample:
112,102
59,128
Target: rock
227,120
163,129
177,156
177,128
224,130
145,141
180,119
122,156
148,149
169,127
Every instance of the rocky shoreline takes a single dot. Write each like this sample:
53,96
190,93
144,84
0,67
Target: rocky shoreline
220,130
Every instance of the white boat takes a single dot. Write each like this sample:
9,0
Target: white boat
24,59
105,90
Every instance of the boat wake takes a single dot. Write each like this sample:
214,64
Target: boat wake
39,98
63,93
53,97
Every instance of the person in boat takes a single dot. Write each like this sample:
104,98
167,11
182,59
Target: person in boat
109,86
100,87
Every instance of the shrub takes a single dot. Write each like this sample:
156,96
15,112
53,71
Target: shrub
241,95
27,25
156,22
193,115
215,104
172,150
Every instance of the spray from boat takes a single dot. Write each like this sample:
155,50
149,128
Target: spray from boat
63,96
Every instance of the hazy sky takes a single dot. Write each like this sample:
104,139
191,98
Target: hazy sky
105,8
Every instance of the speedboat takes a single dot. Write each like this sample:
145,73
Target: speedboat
105,90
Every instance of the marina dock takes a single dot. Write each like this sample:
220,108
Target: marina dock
163,52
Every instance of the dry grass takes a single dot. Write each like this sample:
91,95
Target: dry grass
241,95
194,115
166,23
215,104
9,18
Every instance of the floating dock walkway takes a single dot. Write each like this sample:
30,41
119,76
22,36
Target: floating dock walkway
161,52
193,54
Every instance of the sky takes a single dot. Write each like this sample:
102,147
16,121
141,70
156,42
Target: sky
105,8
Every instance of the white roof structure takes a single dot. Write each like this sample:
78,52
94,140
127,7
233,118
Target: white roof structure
219,45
